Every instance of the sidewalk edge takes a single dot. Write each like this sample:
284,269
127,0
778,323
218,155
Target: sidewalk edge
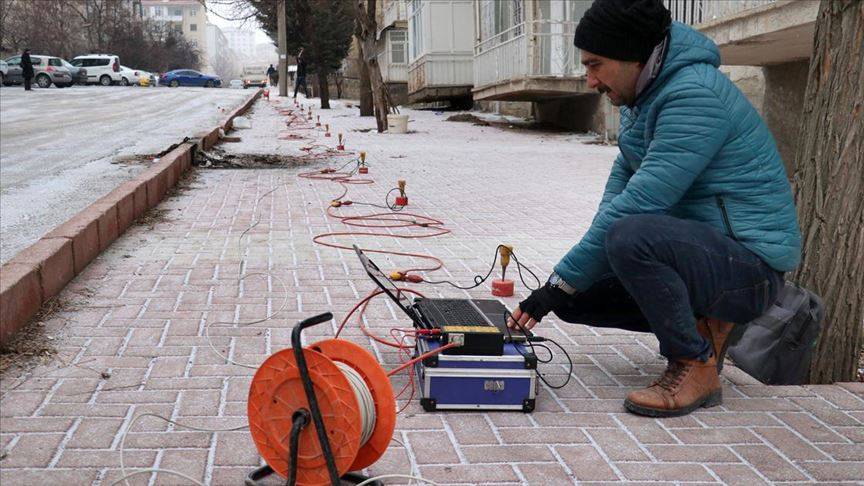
42,270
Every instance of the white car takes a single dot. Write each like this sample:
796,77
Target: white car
130,76
101,68
235,84
4,70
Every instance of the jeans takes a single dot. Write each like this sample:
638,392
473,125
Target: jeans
667,271
301,81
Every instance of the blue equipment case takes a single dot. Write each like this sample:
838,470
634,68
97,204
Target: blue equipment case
465,382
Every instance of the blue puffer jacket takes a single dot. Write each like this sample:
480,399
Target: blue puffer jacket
693,147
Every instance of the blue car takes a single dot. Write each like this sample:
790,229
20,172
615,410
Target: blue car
188,77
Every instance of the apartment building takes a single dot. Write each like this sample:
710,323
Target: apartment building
187,16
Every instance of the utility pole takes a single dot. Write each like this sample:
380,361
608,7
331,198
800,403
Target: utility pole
283,49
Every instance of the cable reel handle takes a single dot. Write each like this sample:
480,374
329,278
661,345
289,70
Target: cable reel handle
312,321
308,388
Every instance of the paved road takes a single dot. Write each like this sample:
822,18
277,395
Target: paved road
61,149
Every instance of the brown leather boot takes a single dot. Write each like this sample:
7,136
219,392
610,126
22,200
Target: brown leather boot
686,385
717,333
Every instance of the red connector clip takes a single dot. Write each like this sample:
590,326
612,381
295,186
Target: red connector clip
328,171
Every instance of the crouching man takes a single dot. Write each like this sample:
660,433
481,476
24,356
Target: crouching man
697,223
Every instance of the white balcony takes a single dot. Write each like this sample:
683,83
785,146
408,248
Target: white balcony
753,32
530,61
396,11
392,72
441,75
440,54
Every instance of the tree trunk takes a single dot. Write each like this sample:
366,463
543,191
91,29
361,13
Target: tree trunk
365,86
324,90
337,81
367,30
829,187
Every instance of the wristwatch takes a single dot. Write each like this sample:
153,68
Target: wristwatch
556,281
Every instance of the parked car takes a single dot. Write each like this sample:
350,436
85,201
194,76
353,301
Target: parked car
235,84
47,70
4,69
146,79
188,77
129,76
101,68
79,74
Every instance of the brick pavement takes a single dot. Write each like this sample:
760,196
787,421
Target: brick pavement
131,338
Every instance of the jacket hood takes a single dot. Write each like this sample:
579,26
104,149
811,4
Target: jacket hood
686,47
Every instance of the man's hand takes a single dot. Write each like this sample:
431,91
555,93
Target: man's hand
533,309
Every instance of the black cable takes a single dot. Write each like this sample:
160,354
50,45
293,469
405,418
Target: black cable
519,268
301,418
392,207
480,279
308,388
530,339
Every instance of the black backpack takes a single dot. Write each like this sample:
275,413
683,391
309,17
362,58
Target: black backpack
776,347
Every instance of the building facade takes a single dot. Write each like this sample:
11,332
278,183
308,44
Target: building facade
186,16
241,41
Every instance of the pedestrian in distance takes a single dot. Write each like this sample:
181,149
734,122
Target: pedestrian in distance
697,224
26,69
301,74
273,75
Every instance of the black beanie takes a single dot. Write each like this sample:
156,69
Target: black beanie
625,30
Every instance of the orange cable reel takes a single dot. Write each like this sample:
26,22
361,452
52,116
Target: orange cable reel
355,398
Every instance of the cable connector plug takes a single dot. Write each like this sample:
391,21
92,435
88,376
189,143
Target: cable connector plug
398,276
328,171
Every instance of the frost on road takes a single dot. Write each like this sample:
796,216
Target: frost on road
61,149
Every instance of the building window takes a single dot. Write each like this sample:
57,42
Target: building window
193,12
193,27
177,12
416,28
157,11
397,46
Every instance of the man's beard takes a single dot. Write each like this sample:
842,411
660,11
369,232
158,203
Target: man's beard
605,90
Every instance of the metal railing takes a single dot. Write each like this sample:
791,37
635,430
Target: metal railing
540,48
395,11
694,12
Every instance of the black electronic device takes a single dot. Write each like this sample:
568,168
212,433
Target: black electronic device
477,325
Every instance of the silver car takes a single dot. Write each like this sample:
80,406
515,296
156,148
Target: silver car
47,70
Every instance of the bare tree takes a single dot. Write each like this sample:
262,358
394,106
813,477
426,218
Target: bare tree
829,186
366,102
365,30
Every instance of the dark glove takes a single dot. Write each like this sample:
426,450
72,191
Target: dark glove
544,300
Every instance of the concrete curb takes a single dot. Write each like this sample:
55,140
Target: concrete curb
42,270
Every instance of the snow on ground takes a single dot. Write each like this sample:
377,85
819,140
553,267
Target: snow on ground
484,162
61,149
